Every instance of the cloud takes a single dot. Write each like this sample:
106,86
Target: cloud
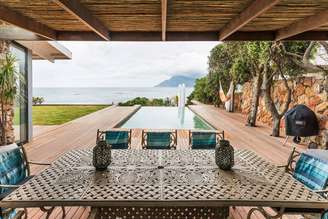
122,64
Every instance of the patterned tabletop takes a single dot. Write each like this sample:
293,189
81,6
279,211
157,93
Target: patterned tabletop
155,177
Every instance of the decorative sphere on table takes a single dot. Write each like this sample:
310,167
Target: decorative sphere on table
224,155
101,155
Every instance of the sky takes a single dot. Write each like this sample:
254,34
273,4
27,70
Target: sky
122,64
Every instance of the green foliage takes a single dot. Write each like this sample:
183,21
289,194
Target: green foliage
8,88
37,100
281,62
202,90
8,78
241,61
190,98
143,101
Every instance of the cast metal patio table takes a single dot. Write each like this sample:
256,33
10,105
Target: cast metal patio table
170,178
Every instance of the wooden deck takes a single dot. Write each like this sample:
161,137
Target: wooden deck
81,133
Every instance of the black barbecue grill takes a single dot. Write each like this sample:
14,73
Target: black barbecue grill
301,121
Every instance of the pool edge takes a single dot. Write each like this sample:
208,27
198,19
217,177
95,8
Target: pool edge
206,121
120,123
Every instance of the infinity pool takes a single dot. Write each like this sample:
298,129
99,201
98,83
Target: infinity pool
165,118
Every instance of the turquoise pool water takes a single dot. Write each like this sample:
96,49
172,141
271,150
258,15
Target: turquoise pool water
165,118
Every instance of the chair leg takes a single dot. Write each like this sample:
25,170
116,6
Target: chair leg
48,211
63,212
93,212
265,213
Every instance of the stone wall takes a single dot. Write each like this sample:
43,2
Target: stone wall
310,91
4,47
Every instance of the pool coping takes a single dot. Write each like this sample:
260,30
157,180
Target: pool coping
197,114
121,122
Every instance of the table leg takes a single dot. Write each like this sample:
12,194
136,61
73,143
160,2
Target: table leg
265,213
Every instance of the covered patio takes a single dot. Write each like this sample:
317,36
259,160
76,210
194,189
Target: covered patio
31,23
50,145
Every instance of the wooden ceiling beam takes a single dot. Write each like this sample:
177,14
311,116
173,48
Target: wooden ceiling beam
189,36
75,8
303,25
255,9
164,19
26,23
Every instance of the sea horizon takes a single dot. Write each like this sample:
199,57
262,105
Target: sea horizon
102,95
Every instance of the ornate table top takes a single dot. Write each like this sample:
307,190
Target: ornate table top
157,177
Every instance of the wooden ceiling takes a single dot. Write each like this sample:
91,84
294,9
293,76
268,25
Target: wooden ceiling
169,19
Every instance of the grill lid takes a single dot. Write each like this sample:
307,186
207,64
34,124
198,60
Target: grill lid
301,121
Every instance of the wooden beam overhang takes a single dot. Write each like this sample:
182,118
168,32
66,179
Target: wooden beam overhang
255,9
84,15
26,23
189,36
164,19
303,25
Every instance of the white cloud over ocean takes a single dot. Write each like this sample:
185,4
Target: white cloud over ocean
122,64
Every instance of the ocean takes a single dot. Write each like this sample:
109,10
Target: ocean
103,95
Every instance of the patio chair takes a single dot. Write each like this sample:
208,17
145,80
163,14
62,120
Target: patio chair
311,169
160,139
204,139
117,138
14,171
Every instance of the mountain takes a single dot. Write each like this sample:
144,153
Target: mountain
174,81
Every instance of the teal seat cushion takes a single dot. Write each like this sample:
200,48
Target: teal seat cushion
203,140
118,139
312,169
10,215
12,167
158,140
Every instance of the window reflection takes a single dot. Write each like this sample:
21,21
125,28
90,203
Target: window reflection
20,103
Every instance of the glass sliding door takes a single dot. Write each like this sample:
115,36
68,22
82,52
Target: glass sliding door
20,103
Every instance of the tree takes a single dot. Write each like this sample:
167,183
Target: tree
202,90
226,65
256,57
8,87
287,60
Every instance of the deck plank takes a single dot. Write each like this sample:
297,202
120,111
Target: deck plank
81,133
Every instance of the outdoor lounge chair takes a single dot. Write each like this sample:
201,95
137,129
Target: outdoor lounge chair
14,171
311,169
159,139
117,138
204,139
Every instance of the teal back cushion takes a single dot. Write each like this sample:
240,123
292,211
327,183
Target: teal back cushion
158,140
117,139
12,167
312,170
203,140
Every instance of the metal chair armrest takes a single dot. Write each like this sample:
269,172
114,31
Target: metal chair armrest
39,163
8,186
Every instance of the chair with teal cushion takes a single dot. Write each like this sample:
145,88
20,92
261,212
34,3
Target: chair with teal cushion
311,169
117,138
204,139
14,171
159,139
